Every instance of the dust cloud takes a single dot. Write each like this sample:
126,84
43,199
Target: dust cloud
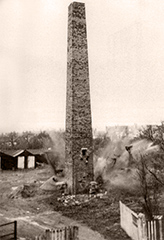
118,164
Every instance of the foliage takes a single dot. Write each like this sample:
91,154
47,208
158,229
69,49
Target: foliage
151,181
154,133
150,170
25,140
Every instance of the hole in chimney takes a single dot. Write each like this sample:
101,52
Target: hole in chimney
84,151
84,155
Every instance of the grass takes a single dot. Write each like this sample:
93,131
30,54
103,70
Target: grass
101,215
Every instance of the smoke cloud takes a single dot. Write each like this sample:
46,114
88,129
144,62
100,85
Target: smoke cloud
117,166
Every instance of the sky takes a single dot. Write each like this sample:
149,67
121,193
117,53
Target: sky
126,59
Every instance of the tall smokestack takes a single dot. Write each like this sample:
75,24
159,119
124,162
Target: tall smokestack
78,140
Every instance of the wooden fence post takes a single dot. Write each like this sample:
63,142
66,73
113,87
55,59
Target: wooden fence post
161,227
48,234
67,233
57,234
61,234
75,233
142,229
15,230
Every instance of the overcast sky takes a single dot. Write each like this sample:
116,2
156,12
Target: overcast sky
126,62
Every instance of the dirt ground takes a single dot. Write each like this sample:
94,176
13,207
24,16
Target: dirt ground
21,199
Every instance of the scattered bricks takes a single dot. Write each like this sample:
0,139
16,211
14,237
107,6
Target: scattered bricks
93,187
76,200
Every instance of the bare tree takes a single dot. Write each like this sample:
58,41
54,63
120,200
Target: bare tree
154,133
151,182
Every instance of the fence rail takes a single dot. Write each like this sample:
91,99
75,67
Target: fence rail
6,233
138,228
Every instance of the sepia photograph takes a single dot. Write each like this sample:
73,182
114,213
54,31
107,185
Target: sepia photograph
81,120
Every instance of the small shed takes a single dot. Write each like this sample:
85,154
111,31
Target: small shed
40,155
17,159
26,160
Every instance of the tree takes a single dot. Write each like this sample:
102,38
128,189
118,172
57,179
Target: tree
40,140
9,140
26,140
151,182
154,134
2,141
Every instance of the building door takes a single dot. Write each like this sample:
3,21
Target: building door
21,162
31,161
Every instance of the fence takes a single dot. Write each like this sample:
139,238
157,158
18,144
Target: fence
67,233
6,233
138,228
155,228
129,221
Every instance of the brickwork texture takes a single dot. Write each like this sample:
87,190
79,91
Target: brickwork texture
79,146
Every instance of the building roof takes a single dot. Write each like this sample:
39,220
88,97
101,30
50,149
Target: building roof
15,153
12,153
37,151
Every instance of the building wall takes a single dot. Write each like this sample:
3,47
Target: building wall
78,109
8,162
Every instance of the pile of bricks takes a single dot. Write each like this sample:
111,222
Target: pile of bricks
76,200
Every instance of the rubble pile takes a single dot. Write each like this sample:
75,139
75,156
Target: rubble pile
28,190
53,184
24,191
76,200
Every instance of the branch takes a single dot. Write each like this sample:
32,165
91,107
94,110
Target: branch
155,176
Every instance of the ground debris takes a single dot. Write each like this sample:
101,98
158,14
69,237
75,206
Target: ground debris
76,200
25,191
24,238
